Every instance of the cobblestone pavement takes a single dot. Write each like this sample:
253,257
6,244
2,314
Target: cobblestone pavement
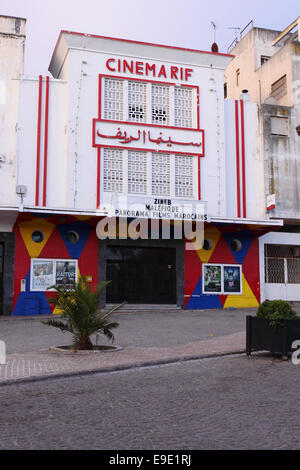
221,403
140,329
49,363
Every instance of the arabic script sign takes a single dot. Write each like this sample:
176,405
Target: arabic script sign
143,137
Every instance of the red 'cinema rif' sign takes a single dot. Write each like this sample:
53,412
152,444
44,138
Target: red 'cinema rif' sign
144,68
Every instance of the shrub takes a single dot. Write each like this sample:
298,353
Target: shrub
80,314
275,311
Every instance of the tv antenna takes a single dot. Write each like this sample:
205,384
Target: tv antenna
214,29
236,29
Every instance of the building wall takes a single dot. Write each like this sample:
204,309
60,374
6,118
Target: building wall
282,167
12,40
257,78
69,180
222,253
54,246
278,150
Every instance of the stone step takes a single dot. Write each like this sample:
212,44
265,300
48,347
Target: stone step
145,307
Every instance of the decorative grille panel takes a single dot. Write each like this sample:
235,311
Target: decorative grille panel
293,271
282,264
183,176
160,102
183,107
137,172
113,99
274,270
113,170
137,100
160,174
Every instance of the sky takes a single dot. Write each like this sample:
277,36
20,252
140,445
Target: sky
184,23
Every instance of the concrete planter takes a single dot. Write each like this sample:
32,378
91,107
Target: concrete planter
97,350
261,336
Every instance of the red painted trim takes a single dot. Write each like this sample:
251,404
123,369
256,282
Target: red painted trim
199,180
46,141
38,143
237,144
126,77
198,111
99,96
98,175
243,159
142,43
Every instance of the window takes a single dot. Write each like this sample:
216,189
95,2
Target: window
160,104
282,264
264,59
222,279
113,99
207,244
183,107
137,172
279,125
148,173
183,176
279,88
225,90
113,170
45,273
149,102
236,245
37,236
137,100
145,172
238,75
72,237
160,174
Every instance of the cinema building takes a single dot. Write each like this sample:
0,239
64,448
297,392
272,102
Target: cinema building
134,132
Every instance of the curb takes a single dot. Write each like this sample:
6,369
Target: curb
119,368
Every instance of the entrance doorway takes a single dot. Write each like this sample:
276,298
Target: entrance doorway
1,276
141,275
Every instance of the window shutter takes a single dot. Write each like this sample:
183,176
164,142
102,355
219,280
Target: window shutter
279,125
279,88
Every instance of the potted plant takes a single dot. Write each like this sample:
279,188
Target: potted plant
274,328
80,314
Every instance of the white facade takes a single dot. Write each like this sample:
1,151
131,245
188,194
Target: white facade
71,143
12,41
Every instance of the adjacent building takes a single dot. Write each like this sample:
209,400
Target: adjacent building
266,65
136,136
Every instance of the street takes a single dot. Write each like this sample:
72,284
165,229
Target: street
232,402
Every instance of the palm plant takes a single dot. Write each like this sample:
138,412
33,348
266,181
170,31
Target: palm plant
80,314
